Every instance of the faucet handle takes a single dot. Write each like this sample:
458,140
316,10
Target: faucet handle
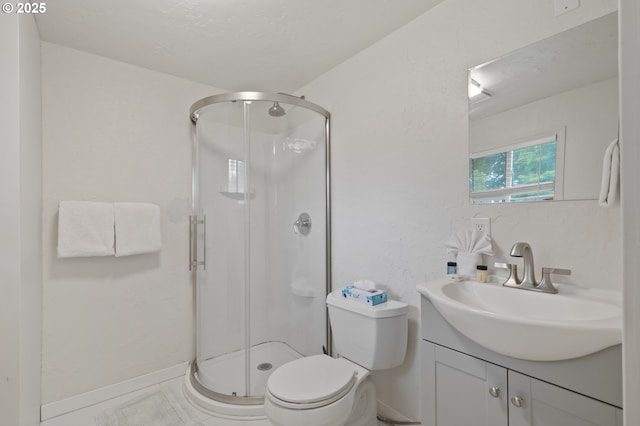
512,279
545,284
556,271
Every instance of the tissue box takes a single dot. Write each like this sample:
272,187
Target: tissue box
370,297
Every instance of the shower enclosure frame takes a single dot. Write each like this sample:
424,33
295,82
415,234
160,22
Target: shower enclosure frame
196,261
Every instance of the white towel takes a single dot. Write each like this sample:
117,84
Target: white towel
471,242
469,247
85,229
137,228
610,174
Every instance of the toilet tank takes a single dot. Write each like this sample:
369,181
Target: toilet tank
374,337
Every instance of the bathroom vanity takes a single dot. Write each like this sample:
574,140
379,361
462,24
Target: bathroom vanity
464,383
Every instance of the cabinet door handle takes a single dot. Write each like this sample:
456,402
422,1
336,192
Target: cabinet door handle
518,401
494,392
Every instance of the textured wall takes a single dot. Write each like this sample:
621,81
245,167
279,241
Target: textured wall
115,132
399,162
630,157
10,220
20,225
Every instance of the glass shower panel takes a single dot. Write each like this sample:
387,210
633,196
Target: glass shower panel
260,296
222,186
297,262
288,269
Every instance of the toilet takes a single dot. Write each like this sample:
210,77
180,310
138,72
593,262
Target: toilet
320,390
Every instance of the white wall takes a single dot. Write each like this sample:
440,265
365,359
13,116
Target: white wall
31,221
20,224
400,159
115,132
630,158
10,221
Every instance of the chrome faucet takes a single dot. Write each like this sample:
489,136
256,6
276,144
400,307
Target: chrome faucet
524,251
528,281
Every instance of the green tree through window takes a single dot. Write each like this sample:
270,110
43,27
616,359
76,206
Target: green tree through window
522,174
489,172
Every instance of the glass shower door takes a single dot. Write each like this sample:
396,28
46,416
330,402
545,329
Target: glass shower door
222,281
260,291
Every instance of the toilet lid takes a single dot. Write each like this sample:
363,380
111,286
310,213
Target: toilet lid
311,379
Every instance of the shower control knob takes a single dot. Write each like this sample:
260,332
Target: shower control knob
303,224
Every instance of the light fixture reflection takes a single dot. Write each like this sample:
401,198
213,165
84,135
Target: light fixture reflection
477,92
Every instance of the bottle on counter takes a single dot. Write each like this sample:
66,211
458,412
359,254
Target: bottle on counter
482,273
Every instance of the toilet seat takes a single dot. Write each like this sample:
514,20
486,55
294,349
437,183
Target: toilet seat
310,382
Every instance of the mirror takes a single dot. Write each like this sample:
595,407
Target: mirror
541,117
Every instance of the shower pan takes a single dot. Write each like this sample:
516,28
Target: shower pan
259,249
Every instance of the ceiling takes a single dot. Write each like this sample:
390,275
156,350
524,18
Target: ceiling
236,45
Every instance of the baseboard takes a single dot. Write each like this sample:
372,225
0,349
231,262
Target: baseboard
58,408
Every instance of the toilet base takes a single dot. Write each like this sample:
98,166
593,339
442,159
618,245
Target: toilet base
365,407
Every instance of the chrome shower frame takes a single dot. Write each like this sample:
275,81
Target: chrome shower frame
195,262
256,96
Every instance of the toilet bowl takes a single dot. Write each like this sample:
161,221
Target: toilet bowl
320,390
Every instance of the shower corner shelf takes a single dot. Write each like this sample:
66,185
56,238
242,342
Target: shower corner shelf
238,195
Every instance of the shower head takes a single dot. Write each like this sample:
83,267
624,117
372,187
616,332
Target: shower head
276,110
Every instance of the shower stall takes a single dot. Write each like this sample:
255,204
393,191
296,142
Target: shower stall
259,251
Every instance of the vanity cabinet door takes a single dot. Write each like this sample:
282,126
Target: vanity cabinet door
460,390
550,405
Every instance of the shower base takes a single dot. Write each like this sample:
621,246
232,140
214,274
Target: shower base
225,375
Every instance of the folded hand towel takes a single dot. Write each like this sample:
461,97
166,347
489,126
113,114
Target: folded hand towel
85,229
469,246
610,174
467,241
137,228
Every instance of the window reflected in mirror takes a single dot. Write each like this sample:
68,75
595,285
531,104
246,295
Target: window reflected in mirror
524,171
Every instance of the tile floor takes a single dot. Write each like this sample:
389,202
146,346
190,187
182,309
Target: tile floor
163,404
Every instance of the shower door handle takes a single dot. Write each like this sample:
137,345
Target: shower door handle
193,242
204,243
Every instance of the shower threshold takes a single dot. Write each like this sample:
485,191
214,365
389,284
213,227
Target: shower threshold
225,376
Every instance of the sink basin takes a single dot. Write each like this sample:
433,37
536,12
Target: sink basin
527,324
